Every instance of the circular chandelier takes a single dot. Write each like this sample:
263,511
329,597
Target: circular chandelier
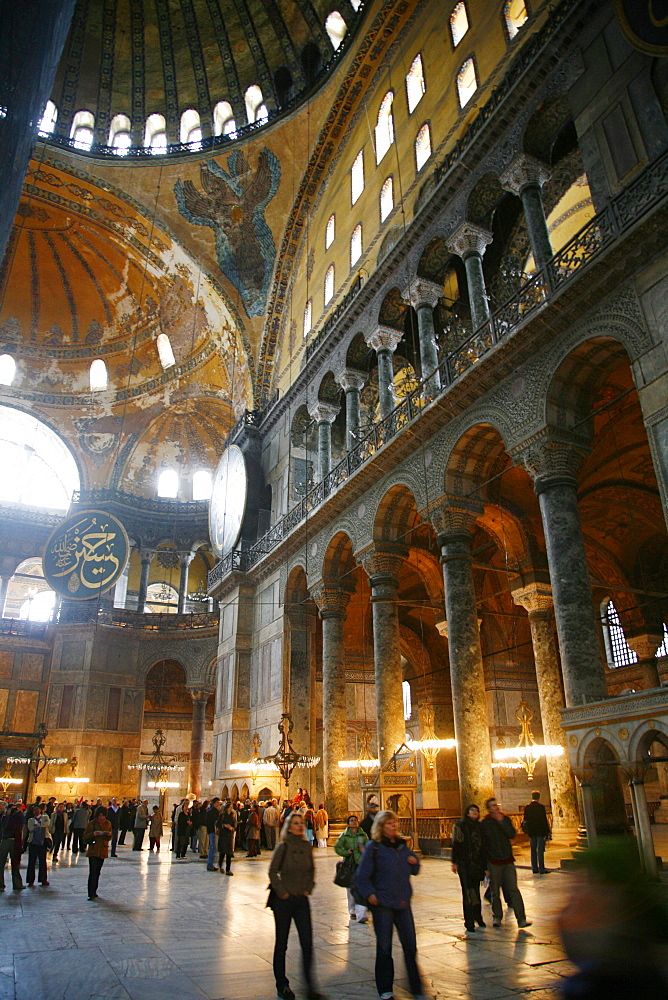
286,758
428,745
6,779
38,759
73,779
526,754
159,765
366,761
254,766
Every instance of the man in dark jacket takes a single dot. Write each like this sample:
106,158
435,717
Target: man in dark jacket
367,822
497,833
212,814
537,828
114,817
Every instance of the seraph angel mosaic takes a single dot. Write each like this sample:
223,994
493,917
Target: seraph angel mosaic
233,205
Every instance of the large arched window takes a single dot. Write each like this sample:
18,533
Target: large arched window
49,118
467,82
384,126
357,177
356,244
202,485
308,317
422,146
38,469
336,28
329,284
168,484
165,352
618,651
119,134
191,129
223,119
98,375
330,233
663,648
408,701
82,132
515,15
155,134
415,87
161,598
29,597
386,198
256,109
459,23
7,369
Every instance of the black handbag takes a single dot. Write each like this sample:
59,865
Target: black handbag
345,872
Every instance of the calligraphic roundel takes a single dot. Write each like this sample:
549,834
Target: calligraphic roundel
85,555
645,24
228,500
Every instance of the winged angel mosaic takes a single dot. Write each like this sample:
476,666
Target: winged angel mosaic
233,205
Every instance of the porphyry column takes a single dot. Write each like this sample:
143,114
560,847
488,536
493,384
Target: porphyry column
525,178
185,559
537,600
470,242
146,560
324,414
352,382
200,696
384,341
423,295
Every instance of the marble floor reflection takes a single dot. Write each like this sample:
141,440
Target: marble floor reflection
163,930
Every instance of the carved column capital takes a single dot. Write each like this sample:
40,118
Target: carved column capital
453,515
468,239
324,412
422,292
384,338
382,564
332,597
185,558
351,378
146,555
300,616
536,598
522,172
200,693
552,454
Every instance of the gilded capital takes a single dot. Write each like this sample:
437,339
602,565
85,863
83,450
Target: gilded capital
351,378
324,412
469,238
422,292
382,564
332,597
522,172
384,338
536,597
551,454
453,515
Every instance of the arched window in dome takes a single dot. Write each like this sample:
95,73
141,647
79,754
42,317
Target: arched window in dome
161,598
329,284
618,652
168,484
422,146
415,85
330,232
165,352
38,469
515,15
386,198
356,244
29,597
119,134
155,134
82,131
98,375
256,109
49,118
202,484
7,369
223,119
459,23
384,126
357,177
191,129
467,82
308,317
336,28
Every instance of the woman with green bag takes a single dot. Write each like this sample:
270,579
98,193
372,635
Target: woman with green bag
351,844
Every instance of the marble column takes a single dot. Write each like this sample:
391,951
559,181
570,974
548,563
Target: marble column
200,696
352,381
525,178
453,522
537,600
424,295
146,560
643,829
553,459
588,813
301,617
324,414
470,242
4,584
384,341
382,566
332,600
645,646
185,559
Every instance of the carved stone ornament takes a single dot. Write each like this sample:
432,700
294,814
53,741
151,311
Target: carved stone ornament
522,172
383,564
384,338
454,515
351,378
536,598
422,292
552,453
324,413
469,238
332,598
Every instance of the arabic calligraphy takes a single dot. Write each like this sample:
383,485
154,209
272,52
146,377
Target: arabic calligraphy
645,24
86,554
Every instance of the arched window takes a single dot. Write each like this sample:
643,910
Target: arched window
7,369
515,15
386,199
223,119
467,82
119,134
155,135
330,232
408,701
308,317
256,110
98,375
165,352
191,129
329,283
161,598
356,244
82,132
357,176
356,4
415,86
29,597
384,126
49,118
336,28
168,483
663,648
618,651
422,146
202,485
38,469
459,23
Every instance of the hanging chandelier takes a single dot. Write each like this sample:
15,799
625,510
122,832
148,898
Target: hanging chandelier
159,766
286,758
366,761
73,779
38,759
6,779
428,745
254,765
527,753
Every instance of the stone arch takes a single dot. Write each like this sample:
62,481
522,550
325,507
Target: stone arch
296,589
435,260
396,515
642,739
479,454
329,390
234,793
546,125
338,561
166,687
580,375
483,199
510,533
358,353
392,310
600,756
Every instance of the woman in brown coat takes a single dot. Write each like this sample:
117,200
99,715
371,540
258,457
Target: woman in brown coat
97,835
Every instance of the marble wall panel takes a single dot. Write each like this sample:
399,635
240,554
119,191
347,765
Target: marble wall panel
73,655
96,704
108,770
133,707
24,718
32,666
6,663
4,695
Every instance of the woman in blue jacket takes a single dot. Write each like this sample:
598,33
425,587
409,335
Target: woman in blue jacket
383,877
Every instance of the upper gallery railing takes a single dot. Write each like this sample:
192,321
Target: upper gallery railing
619,215
152,505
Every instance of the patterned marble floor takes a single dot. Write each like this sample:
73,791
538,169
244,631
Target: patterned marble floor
167,931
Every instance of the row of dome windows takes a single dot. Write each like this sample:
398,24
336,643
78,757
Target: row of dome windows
82,131
168,484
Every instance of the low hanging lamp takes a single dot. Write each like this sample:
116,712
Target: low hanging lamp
72,779
366,762
428,744
38,759
254,766
286,758
6,780
159,766
526,754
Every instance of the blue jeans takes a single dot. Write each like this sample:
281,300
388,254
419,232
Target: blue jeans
537,854
213,844
384,918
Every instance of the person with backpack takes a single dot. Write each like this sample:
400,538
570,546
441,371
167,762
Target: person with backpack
351,843
384,879
38,833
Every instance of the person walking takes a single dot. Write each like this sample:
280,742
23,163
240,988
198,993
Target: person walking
292,877
155,830
97,835
227,826
114,817
535,824
69,812
309,824
141,824
322,826
384,877
11,842
253,832
202,832
498,833
79,820
38,828
351,842
469,862
212,814
367,822
270,823
58,828
183,829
